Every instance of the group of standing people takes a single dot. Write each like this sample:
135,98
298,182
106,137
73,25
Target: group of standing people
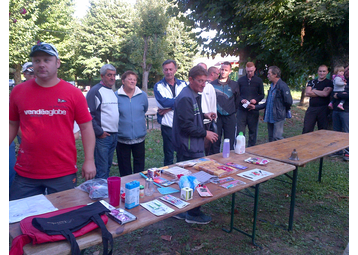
118,122
319,91
194,118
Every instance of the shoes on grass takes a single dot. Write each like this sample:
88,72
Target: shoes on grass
180,216
200,219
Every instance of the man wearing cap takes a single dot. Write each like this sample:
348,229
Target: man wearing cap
103,105
45,108
28,71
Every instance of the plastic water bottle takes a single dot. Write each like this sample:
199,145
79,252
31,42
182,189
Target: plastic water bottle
240,144
226,148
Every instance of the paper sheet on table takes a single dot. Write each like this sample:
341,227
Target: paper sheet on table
255,174
204,177
22,208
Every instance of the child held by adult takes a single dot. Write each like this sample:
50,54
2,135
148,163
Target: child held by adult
339,83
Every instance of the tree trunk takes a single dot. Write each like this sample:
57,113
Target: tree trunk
144,66
145,80
302,99
17,74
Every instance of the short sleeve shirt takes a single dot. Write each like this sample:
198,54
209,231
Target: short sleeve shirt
46,117
319,85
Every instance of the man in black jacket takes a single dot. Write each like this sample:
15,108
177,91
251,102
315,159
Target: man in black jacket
189,131
227,100
278,102
251,92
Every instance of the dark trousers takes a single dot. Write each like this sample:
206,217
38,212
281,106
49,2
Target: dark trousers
341,122
251,119
168,147
275,130
207,143
124,152
315,114
25,187
226,123
195,211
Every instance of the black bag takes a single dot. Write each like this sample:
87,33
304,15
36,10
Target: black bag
66,223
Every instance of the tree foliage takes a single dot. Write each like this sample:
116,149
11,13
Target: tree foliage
102,35
42,20
129,37
296,35
149,37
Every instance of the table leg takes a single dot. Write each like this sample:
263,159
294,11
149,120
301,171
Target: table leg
293,198
320,169
256,202
232,214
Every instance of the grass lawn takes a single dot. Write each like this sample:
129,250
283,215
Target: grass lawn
321,221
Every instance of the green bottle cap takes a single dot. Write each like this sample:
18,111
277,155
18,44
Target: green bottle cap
241,133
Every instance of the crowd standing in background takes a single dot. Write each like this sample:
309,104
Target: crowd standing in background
187,113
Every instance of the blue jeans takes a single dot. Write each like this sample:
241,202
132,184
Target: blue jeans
275,130
12,161
341,122
168,147
103,155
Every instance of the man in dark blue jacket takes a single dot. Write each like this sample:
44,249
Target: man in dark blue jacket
189,131
278,102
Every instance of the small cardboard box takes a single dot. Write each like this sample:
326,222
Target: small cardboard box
186,193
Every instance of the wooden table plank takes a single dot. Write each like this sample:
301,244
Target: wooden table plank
309,146
75,197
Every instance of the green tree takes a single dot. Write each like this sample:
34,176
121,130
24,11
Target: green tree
296,35
149,42
183,46
43,20
102,35
22,31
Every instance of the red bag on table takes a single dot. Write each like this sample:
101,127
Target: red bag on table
36,236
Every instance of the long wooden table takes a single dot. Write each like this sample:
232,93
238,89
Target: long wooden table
75,197
309,147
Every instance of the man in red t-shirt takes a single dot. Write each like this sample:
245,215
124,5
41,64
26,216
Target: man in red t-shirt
45,109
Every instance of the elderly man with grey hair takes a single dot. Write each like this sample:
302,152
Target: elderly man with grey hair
103,105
